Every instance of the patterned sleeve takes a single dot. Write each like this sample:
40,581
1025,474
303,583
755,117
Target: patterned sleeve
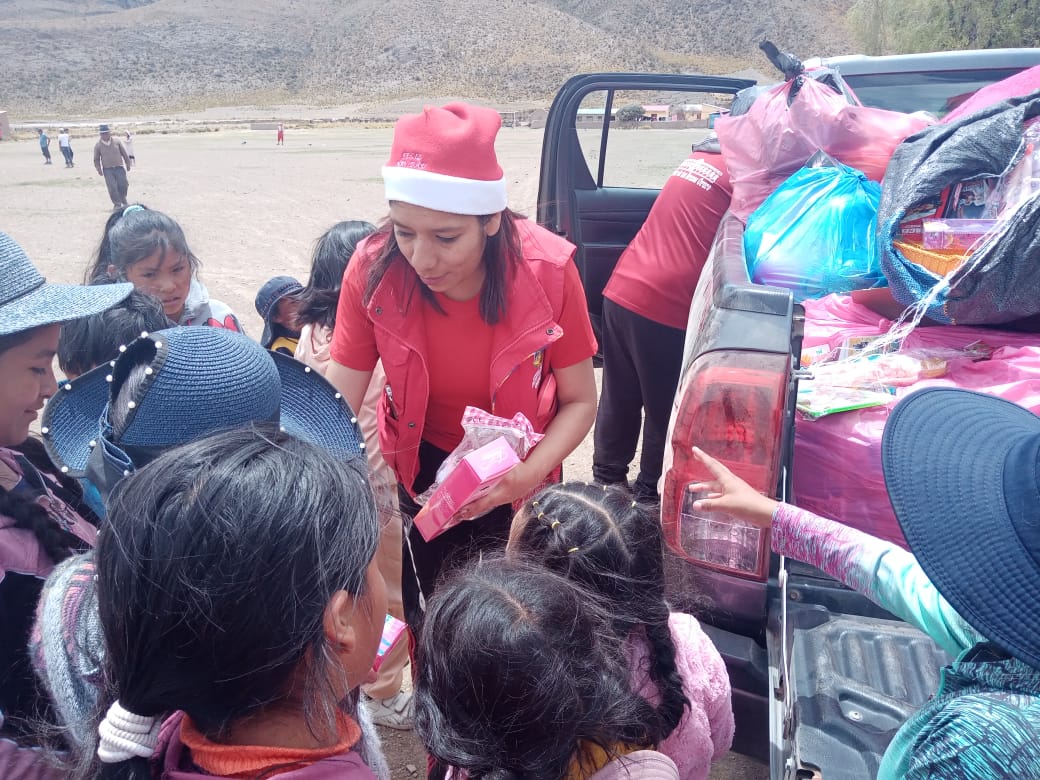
885,573
979,737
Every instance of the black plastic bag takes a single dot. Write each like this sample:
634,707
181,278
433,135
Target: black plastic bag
1000,282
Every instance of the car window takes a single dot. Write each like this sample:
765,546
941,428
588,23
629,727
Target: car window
936,92
649,134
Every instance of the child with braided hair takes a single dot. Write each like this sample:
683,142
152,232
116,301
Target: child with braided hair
603,540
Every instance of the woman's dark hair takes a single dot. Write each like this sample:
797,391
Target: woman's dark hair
131,235
215,568
91,341
602,539
502,253
332,252
519,674
55,541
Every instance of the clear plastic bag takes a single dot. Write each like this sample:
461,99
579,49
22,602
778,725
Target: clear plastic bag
817,234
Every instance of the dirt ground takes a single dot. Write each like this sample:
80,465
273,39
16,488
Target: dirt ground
252,210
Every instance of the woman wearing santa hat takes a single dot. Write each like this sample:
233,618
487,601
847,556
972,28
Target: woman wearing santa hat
467,304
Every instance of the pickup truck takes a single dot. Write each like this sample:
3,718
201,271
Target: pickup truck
822,678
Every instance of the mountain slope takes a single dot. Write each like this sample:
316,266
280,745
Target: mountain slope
98,56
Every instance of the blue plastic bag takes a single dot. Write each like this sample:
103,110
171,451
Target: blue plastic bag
817,233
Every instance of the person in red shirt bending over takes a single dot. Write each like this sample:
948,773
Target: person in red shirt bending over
645,307
466,303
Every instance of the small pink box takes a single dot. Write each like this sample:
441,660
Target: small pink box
393,630
475,475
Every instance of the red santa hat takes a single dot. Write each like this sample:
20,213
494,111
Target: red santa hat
444,159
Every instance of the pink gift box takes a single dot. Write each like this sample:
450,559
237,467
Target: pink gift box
393,630
474,477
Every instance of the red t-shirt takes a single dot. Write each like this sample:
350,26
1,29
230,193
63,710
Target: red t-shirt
458,349
658,272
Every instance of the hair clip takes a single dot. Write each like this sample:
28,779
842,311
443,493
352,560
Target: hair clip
573,550
634,503
534,503
540,516
554,524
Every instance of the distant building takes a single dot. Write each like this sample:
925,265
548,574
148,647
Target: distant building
695,112
593,116
5,126
657,113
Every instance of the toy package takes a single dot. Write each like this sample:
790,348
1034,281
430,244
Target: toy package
393,630
472,477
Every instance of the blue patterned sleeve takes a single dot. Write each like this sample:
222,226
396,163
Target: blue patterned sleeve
885,573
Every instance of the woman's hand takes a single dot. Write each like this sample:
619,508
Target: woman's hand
515,484
730,494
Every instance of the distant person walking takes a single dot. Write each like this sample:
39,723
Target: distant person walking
281,135
45,146
65,144
112,161
129,144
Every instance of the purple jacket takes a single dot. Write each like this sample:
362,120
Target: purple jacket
172,761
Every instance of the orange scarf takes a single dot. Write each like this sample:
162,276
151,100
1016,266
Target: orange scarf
591,758
246,761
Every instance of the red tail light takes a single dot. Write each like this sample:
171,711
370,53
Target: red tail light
731,405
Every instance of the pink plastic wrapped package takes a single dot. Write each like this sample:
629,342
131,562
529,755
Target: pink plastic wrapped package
837,463
773,139
472,477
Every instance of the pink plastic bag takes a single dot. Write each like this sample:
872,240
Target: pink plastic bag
773,140
837,461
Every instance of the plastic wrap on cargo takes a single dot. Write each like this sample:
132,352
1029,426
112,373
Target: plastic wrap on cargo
790,122
998,283
837,461
817,233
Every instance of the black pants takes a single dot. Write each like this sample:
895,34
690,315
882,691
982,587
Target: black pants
424,562
641,364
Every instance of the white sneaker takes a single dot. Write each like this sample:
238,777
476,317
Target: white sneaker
393,713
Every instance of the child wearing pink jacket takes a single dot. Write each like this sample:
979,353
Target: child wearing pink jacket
604,540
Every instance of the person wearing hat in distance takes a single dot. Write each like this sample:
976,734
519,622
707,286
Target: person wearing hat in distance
466,303
962,470
277,304
112,161
166,389
42,517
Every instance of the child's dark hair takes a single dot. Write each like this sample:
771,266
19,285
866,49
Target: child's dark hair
604,540
502,252
519,674
215,569
131,235
91,341
332,252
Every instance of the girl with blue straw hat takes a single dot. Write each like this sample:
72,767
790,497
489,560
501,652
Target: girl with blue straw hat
42,517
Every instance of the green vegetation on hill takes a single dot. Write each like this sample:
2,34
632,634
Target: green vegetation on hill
899,26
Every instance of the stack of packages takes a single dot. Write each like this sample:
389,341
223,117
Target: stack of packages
952,230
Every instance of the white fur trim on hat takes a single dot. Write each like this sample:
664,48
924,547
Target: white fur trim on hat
444,193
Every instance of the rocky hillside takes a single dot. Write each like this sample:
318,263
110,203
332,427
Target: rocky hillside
106,56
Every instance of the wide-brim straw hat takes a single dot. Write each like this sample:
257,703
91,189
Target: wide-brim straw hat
27,301
963,474
191,382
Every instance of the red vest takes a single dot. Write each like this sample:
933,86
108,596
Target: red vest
518,377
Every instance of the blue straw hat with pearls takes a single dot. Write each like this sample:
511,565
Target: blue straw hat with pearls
174,386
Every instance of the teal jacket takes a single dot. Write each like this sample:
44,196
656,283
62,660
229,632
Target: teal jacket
984,721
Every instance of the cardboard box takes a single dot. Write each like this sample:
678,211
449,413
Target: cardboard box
474,477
